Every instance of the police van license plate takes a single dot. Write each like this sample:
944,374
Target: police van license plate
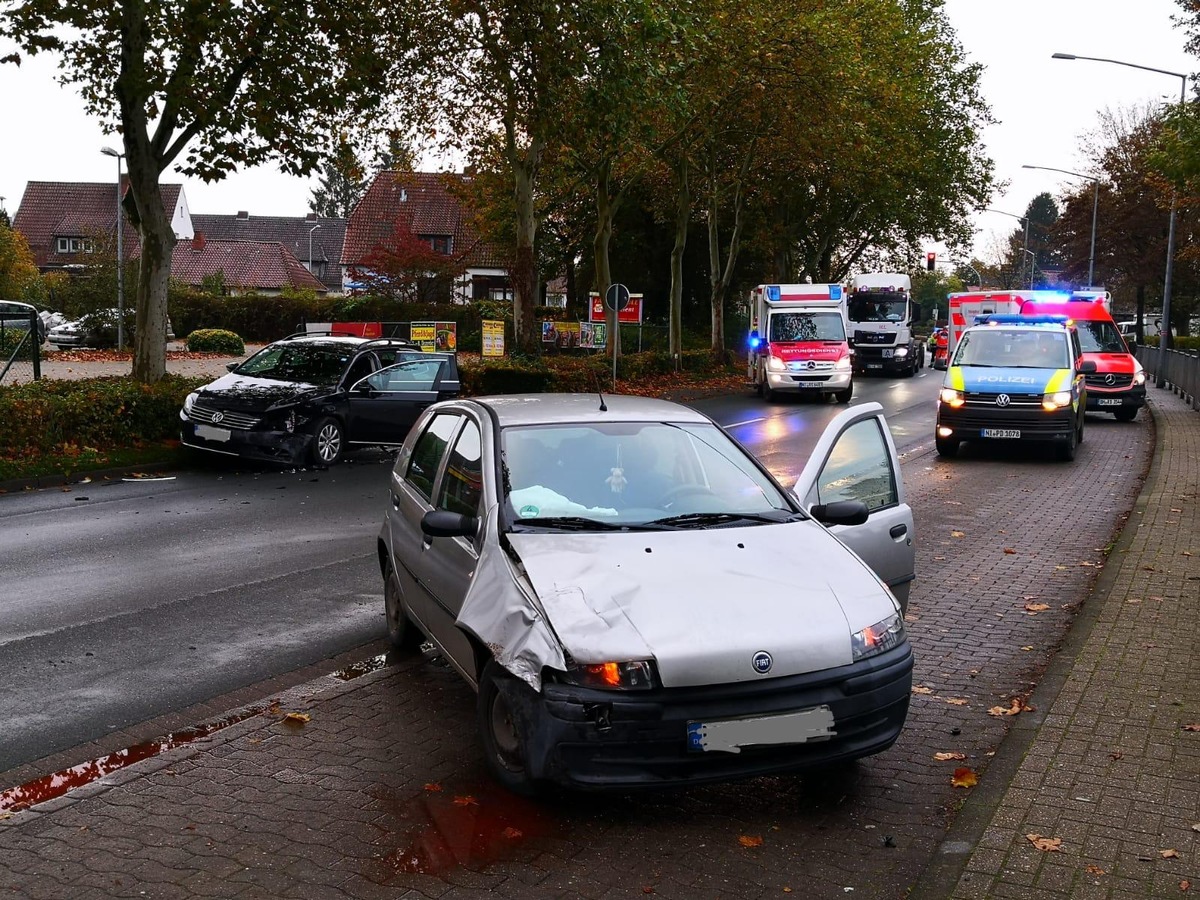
212,434
731,735
1108,401
810,384
999,433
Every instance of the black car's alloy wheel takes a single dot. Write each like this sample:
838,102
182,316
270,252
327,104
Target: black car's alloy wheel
328,442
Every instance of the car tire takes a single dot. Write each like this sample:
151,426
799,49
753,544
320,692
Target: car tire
501,730
946,447
328,442
1126,415
770,395
1066,452
402,633
844,396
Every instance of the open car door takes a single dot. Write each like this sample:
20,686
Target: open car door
855,459
385,404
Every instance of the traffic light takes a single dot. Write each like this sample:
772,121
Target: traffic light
930,260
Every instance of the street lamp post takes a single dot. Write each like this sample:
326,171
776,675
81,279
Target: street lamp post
1025,245
1164,334
1032,266
311,268
1095,205
109,151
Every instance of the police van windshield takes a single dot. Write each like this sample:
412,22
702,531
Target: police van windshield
806,326
880,307
1100,337
1027,348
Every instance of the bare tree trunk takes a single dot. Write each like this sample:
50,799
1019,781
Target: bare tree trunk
719,276
683,210
524,273
605,210
154,272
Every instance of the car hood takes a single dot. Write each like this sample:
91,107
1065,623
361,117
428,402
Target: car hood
1117,363
642,595
248,392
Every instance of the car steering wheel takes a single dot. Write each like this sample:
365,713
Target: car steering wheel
684,490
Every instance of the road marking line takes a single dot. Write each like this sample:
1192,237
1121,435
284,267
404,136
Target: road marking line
747,422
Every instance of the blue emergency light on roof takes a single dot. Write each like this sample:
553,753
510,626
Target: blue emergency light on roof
1007,319
772,292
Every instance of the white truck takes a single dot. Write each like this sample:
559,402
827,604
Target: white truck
798,341
880,312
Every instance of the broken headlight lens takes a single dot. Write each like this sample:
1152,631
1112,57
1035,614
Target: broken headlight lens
619,676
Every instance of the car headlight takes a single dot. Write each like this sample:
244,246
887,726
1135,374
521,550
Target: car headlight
775,364
878,638
1057,400
1139,377
289,421
901,353
614,676
843,363
951,397
189,401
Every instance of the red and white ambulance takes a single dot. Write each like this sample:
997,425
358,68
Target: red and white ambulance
798,341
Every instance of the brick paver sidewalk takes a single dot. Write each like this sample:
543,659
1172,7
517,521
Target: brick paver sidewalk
1105,801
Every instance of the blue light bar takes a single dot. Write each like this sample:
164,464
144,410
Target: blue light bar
1008,319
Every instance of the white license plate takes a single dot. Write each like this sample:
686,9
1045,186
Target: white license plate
810,384
731,735
887,354
1109,402
874,365
999,433
212,434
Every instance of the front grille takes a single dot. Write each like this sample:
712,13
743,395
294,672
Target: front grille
227,418
814,366
1102,381
980,399
874,337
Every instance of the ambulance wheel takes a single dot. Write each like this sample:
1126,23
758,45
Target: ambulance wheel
758,388
947,447
844,396
1126,415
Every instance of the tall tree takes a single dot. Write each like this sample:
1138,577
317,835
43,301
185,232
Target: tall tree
18,272
342,183
208,87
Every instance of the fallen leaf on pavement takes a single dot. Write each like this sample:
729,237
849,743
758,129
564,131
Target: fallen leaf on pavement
1117,754
1037,607
1196,827
750,840
433,787
919,689
1047,844
1192,726
1017,706
513,833
1185,885
1095,870
964,778
465,800
297,718
956,701
957,534
942,757
1009,550
1026,649
1168,854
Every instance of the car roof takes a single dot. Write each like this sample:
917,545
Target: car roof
549,409
332,340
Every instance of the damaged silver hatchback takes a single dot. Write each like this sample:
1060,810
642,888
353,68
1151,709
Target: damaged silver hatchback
637,602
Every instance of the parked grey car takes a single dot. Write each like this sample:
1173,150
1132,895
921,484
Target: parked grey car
96,329
638,602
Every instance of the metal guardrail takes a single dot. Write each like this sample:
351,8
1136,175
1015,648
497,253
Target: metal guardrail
20,341
1180,371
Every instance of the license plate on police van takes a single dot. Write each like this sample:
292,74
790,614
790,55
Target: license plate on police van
1106,401
810,384
212,434
999,433
731,735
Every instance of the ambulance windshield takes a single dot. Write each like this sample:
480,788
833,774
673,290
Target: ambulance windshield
806,326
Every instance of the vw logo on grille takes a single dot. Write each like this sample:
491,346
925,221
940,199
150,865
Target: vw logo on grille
762,662
1003,400
218,417
811,365
1110,379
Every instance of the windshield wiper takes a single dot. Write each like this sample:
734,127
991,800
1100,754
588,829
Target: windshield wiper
704,519
572,523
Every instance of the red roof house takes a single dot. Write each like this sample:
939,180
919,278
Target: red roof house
245,267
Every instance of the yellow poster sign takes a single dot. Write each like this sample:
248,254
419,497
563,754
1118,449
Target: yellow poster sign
493,338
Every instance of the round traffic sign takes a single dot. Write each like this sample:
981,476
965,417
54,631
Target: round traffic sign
616,297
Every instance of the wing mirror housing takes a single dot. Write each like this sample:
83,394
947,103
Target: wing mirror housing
231,366
443,523
1088,367
840,512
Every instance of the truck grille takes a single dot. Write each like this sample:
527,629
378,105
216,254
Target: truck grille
1102,381
226,418
874,337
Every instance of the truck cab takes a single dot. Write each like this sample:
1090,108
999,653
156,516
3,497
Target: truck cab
798,341
880,316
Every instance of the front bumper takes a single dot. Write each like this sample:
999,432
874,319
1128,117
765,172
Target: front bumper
872,360
586,738
968,423
1101,400
284,447
825,381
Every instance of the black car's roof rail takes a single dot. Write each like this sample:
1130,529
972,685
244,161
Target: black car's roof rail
300,334
392,342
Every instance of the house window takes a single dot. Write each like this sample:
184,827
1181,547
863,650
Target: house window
500,293
74,245
441,244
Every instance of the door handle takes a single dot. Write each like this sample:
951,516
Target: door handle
898,531
395,502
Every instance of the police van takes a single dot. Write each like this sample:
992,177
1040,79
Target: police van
1015,378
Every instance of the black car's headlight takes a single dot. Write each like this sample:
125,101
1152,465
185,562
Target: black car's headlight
638,675
878,638
190,401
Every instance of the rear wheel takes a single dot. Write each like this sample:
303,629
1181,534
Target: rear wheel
328,442
947,447
502,729
402,633
1126,415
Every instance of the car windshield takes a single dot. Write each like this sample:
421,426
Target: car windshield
1027,348
806,326
306,363
1100,337
630,474
877,308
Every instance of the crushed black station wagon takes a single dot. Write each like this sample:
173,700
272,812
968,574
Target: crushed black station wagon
310,397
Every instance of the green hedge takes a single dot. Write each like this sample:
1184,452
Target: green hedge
215,340
9,339
515,375
49,415
1186,342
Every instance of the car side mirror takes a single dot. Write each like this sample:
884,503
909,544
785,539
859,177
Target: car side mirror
841,512
1088,367
231,366
443,523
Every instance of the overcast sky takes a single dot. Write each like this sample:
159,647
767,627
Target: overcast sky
1044,106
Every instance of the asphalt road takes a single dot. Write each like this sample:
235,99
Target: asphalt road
121,601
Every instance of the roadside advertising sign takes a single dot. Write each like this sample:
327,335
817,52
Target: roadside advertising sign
433,336
630,314
493,337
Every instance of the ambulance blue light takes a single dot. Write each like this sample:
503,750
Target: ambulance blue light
772,292
755,342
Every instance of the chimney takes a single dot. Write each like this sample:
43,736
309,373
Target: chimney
403,195
311,217
198,242
243,214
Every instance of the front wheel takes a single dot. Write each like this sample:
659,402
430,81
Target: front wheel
1066,452
844,396
947,447
502,729
1126,415
328,442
